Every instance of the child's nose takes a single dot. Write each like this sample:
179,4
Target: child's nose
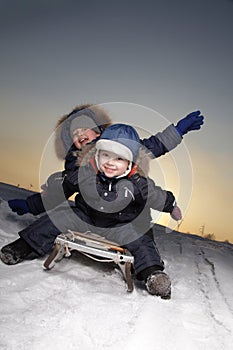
111,161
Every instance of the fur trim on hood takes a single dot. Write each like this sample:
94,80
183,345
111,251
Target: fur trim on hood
100,117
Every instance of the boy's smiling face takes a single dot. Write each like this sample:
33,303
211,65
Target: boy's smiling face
111,164
83,136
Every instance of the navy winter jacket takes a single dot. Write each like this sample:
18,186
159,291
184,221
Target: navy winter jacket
156,145
111,202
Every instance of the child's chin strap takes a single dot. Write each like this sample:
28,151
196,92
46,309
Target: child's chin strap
134,170
93,164
131,173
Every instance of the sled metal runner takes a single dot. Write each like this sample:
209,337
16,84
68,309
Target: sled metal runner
95,247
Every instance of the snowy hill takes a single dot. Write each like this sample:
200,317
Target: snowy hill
81,304
8,191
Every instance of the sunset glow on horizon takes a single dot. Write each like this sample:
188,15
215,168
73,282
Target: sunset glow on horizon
53,59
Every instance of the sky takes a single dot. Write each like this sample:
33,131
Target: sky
162,59
78,304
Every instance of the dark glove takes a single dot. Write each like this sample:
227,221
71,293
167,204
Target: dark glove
192,121
19,206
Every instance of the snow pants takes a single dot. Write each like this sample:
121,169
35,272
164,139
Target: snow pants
41,234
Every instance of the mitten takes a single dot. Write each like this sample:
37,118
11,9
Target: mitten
176,213
19,206
192,121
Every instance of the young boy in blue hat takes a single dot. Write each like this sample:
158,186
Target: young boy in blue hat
114,200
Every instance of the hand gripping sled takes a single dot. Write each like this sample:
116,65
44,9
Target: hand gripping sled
95,247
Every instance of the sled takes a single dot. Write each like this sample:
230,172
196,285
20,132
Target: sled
95,247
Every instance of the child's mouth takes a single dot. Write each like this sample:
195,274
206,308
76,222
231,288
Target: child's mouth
109,170
83,140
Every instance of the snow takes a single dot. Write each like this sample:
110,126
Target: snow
82,304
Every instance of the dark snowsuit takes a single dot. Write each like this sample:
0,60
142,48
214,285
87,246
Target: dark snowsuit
118,209
156,145
41,234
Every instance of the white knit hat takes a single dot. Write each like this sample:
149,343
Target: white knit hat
115,147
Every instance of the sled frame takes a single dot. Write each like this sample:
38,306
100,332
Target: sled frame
94,247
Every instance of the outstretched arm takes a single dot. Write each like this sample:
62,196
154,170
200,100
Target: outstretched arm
52,195
168,139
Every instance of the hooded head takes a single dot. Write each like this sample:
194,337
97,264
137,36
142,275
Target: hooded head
85,117
120,139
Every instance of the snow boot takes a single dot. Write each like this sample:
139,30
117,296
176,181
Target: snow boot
15,252
158,283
